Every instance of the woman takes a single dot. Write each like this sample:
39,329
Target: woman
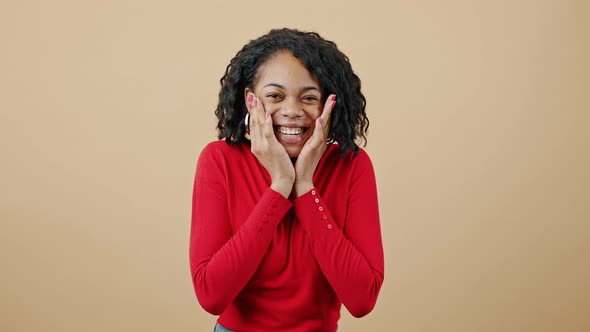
285,223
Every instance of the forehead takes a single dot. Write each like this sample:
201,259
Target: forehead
285,69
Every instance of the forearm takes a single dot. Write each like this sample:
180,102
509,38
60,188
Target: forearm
355,276
223,265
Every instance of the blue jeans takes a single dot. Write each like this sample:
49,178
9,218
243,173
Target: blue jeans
219,328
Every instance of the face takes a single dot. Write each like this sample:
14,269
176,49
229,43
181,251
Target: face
293,98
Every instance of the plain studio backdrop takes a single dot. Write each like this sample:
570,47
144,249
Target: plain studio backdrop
479,135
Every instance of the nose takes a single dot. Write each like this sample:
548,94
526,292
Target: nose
291,108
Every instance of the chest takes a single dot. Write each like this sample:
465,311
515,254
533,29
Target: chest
289,256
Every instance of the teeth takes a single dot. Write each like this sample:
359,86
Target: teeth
290,131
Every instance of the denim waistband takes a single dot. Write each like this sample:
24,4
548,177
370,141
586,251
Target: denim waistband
219,328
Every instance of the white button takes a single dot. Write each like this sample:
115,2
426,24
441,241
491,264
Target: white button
324,217
313,192
321,208
329,226
317,200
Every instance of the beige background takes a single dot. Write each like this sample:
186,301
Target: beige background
479,135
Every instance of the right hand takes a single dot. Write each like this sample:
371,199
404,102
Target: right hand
267,149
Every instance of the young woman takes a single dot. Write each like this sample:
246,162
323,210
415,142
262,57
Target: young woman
285,222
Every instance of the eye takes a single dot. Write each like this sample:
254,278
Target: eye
310,98
273,96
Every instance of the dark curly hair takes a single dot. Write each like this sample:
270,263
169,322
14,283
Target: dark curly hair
322,58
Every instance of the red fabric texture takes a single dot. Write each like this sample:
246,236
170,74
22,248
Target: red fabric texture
266,263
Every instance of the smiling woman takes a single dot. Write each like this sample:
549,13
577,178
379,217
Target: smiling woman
292,97
285,222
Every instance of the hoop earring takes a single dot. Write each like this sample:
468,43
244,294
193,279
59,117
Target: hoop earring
247,123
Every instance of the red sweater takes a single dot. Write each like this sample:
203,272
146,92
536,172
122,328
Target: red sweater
266,263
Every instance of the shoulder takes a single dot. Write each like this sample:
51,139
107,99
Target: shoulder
218,157
334,163
222,148
333,153
214,147
220,153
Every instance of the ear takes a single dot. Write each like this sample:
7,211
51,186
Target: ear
246,92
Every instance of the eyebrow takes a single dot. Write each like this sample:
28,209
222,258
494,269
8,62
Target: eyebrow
304,89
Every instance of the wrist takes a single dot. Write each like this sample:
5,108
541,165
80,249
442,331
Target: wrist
283,187
303,187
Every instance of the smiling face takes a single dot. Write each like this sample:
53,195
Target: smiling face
292,96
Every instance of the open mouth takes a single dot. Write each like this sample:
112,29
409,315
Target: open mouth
291,135
290,131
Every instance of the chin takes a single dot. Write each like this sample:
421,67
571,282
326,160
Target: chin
293,151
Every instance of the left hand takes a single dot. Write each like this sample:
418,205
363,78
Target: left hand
313,149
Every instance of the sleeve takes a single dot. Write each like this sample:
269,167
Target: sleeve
221,263
352,258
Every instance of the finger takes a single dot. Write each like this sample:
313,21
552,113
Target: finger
253,109
256,125
327,112
256,133
318,134
267,128
251,125
328,107
258,111
250,108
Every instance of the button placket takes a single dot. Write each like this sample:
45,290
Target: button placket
321,209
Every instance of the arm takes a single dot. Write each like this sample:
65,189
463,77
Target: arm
350,258
222,264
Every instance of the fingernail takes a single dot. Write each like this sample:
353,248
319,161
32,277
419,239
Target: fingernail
250,97
334,97
322,121
334,103
266,114
255,101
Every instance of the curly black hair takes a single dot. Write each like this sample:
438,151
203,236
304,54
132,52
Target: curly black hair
322,58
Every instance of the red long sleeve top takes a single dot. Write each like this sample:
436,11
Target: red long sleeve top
266,263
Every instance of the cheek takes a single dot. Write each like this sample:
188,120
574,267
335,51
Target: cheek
314,112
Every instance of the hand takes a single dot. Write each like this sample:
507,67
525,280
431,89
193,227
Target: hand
313,149
267,149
